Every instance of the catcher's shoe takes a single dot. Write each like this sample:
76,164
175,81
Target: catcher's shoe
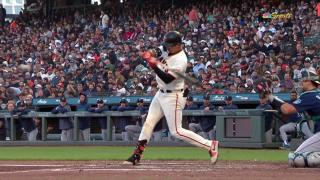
214,151
134,159
285,147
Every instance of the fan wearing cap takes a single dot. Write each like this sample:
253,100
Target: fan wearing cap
170,100
27,123
309,102
84,122
65,123
307,67
101,108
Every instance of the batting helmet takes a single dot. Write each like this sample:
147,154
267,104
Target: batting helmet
172,38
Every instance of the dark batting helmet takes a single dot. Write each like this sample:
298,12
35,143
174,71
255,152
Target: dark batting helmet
172,38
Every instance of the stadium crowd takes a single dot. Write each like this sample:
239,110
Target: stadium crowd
72,53
229,46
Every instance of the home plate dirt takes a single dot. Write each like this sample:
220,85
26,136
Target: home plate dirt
175,170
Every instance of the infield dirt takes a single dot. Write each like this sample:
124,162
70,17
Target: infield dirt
155,170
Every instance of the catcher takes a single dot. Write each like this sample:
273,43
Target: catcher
309,101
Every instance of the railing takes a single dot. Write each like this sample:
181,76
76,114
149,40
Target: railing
110,114
244,98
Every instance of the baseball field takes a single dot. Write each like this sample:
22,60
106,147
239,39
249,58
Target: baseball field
105,162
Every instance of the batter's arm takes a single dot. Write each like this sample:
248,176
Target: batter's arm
162,73
166,77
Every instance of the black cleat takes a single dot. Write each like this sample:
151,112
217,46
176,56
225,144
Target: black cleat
134,159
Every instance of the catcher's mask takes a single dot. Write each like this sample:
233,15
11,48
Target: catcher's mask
312,76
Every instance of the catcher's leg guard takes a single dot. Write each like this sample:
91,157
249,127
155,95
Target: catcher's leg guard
137,153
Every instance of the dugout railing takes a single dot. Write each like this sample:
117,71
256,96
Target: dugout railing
234,128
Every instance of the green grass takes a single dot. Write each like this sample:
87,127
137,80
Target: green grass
121,153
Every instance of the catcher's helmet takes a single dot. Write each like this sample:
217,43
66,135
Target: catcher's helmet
172,38
311,75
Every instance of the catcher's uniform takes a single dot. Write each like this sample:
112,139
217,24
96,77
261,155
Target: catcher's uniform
169,102
309,101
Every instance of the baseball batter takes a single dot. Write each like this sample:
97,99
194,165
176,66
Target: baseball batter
170,100
309,101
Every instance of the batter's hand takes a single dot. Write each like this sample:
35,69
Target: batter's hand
146,55
152,61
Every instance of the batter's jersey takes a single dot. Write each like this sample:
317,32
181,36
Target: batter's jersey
308,101
176,62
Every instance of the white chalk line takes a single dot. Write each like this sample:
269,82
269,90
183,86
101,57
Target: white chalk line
32,165
118,166
105,169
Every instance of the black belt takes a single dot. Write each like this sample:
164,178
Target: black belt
170,91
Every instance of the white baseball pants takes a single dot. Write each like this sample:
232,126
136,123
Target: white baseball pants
171,105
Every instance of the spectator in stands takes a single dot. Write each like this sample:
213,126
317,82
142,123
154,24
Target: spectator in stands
28,102
215,38
194,18
91,92
105,24
84,122
101,108
28,124
275,87
3,15
287,83
80,88
65,123
70,90
264,104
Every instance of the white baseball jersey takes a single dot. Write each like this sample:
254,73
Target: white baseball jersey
170,104
177,62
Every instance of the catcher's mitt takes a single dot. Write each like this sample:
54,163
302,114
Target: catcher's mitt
262,86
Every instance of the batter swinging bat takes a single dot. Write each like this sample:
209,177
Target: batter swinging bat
148,56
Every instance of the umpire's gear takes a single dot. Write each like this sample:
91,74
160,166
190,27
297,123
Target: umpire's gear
172,38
